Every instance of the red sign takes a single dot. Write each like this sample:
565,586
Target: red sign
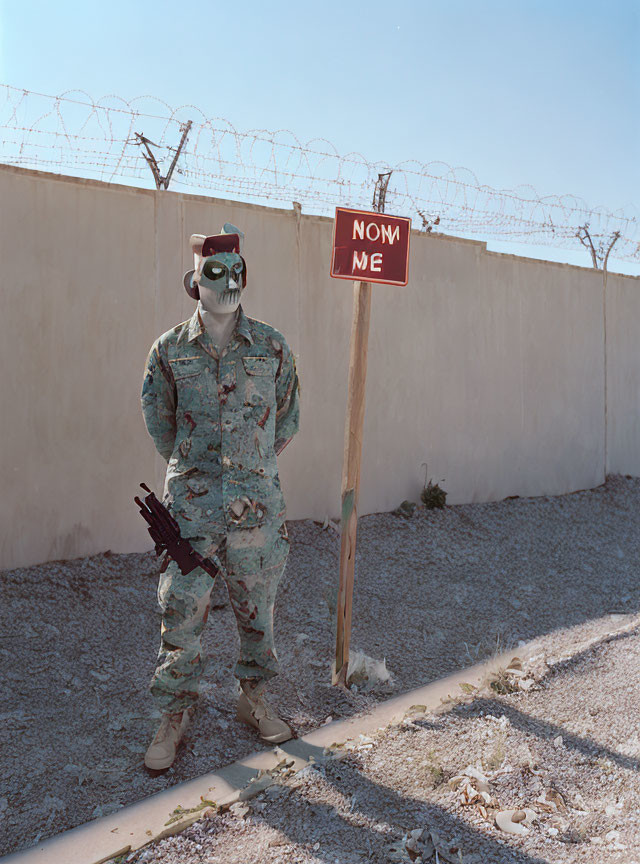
370,247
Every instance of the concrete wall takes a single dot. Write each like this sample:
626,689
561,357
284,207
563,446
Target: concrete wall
623,375
489,367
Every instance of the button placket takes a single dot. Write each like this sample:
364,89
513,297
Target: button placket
226,384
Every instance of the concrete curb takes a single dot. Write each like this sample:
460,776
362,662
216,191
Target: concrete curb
172,810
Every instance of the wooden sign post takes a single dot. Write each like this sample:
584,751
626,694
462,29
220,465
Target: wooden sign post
376,247
351,472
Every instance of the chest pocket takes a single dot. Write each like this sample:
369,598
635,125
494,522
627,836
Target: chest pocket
259,365
192,378
259,383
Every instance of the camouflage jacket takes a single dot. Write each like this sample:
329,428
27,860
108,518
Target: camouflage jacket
219,421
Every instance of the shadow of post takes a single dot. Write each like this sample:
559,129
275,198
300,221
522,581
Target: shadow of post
377,803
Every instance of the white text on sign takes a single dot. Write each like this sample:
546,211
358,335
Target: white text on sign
373,231
370,247
360,261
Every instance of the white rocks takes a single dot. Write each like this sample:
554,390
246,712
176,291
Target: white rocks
515,821
365,671
630,747
502,721
558,823
239,809
613,839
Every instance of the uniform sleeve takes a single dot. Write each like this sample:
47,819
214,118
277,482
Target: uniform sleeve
159,401
287,398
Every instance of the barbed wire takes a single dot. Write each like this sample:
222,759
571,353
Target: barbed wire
101,139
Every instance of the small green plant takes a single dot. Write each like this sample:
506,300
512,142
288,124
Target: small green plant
467,688
432,495
179,812
502,684
406,509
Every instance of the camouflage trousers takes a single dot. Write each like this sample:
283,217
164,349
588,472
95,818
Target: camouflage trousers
251,562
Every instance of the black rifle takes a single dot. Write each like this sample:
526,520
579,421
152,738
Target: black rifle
165,533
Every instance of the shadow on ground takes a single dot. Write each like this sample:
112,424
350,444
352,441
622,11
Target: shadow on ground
433,593
353,806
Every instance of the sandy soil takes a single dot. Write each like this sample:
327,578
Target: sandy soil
79,638
558,740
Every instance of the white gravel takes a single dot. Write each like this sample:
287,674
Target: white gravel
563,750
433,593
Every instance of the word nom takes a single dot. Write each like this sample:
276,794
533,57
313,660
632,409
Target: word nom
373,231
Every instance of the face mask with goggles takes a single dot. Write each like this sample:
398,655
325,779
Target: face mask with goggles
219,266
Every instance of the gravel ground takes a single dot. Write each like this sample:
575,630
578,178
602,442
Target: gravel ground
79,638
551,740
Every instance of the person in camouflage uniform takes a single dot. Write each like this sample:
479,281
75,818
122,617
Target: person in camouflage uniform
219,414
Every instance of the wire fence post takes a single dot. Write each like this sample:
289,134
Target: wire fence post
162,182
92,138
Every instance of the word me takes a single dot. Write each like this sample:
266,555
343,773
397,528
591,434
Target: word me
373,231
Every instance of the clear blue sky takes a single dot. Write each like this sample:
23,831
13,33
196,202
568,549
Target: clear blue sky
535,92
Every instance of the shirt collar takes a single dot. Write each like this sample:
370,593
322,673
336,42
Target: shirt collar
242,328
196,326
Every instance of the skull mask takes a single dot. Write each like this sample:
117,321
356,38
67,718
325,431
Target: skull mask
219,266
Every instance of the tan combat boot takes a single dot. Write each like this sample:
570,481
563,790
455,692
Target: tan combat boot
254,710
162,750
